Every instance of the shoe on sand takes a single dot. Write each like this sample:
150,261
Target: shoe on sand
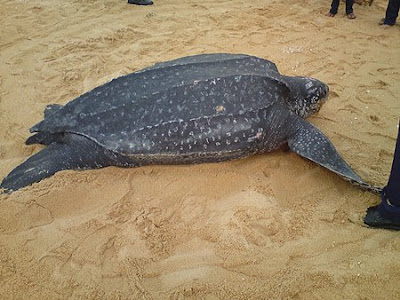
140,2
383,215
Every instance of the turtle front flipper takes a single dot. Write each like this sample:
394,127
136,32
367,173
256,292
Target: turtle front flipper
308,142
74,152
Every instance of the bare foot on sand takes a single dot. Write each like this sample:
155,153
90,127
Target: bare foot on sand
351,16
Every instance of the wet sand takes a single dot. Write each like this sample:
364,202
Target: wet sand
273,226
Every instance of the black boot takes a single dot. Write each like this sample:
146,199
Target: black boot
140,2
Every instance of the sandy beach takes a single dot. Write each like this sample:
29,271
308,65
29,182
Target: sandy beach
272,226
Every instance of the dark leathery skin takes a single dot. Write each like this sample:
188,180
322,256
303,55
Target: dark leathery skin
180,108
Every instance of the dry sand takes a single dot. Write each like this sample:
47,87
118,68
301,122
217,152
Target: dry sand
273,226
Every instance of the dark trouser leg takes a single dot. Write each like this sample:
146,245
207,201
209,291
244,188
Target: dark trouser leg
392,12
393,187
349,6
387,213
334,7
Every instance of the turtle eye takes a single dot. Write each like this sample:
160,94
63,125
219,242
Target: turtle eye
315,98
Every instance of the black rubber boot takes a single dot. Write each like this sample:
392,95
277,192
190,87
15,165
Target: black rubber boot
140,2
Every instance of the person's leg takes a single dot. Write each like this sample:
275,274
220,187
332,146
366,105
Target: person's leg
349,6
387,213
349,9
392,12
334,7
393,187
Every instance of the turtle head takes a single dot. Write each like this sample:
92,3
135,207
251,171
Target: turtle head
307,95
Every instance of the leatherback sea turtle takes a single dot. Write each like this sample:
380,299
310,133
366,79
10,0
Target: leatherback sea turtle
203,108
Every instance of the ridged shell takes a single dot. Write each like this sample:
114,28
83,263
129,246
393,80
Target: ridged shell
186,102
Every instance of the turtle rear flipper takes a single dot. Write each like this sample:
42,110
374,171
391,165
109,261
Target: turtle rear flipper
44,138
75,152
308,142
